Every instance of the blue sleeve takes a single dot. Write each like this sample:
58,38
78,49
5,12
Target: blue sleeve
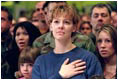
36,70
94,67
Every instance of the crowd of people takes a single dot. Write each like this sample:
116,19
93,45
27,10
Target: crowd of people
57,43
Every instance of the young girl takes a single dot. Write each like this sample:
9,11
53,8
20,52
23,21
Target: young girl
26,61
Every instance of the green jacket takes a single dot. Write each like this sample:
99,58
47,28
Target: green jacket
46,43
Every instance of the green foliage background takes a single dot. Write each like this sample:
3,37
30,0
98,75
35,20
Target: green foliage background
29,6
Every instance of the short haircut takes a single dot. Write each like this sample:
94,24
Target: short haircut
66,11
48,2
101,5
10,17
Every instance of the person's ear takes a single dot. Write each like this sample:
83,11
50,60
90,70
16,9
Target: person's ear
74,29
10,24
111,21
51,27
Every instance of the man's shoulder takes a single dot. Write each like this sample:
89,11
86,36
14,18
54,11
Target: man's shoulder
79,35
42,37
83,41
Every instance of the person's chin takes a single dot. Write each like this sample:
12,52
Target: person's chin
21,48
26,75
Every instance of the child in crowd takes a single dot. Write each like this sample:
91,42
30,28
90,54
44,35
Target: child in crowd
25,63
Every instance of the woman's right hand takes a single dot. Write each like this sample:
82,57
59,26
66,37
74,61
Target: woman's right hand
68,70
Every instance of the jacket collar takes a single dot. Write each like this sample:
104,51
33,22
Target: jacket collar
49,39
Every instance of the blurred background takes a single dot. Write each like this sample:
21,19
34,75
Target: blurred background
25,8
